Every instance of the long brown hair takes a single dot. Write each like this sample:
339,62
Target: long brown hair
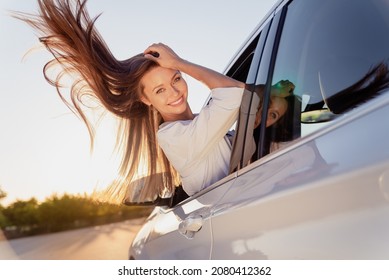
70,35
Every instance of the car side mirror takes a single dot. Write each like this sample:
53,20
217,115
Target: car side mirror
158,201
134,190
317,116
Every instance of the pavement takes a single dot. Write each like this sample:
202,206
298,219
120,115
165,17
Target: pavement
105,242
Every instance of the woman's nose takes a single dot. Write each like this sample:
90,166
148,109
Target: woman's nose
175,90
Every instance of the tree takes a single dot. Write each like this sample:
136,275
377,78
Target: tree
22,214
3,219
61,213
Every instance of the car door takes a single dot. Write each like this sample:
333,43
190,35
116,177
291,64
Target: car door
223,246
320,191
181,232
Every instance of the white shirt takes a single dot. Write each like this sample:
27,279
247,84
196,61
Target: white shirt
199,149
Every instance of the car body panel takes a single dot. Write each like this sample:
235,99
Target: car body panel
161,238
318,199
319,222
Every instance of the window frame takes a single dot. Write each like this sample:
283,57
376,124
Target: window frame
261,72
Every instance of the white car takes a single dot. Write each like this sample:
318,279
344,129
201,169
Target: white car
317,186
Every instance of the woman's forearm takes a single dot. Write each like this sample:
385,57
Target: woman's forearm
166,57
210,78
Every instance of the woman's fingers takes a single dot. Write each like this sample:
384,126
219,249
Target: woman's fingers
156,49
162,54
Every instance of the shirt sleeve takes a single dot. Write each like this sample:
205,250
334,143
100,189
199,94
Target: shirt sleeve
185,142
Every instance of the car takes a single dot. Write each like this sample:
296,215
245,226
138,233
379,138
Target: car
316,186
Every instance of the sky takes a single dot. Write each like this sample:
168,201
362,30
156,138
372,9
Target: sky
44,147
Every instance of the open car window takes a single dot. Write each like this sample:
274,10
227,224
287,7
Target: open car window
243,145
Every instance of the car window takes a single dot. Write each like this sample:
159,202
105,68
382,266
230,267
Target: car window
242,147
335,53
240,69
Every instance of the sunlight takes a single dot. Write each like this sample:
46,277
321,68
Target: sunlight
105,160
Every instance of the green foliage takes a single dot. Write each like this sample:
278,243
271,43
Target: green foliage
22,213
3,219
56,213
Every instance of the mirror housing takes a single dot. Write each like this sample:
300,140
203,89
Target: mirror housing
317,116
132,197
158,201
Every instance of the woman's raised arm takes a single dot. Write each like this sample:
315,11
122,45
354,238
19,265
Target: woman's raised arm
167,58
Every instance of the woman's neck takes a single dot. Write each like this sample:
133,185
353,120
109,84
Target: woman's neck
184,116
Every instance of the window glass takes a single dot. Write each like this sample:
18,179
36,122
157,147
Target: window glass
240,69
332,57
243,146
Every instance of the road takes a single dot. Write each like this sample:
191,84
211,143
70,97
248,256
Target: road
106,242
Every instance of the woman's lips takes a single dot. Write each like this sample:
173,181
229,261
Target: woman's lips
177,102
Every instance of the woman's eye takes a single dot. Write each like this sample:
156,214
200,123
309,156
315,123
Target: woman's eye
160,90
273,116
177,79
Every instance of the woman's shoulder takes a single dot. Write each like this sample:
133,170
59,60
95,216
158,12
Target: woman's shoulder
229,97
173,128
227,91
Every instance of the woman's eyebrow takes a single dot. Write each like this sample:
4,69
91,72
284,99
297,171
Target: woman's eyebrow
157,87
176,73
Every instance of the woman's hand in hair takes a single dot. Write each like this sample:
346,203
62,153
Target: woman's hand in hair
283,88
163,55
167,58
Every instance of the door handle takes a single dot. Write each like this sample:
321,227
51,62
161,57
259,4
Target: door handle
190,226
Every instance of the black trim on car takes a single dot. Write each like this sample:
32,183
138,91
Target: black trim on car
282,15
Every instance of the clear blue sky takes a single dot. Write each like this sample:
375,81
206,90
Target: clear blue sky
44,148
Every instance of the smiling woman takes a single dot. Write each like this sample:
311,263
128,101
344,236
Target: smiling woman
167,91
158,131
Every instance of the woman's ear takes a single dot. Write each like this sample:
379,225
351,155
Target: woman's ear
145,100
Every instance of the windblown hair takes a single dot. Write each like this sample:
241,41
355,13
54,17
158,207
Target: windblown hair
375,82
70,35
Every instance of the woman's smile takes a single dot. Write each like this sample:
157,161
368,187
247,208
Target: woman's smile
177,102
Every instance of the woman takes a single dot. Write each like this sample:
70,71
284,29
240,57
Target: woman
278,104
196,146
159,134
279,114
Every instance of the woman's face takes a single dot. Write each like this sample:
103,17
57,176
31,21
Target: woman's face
167,92
277,108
